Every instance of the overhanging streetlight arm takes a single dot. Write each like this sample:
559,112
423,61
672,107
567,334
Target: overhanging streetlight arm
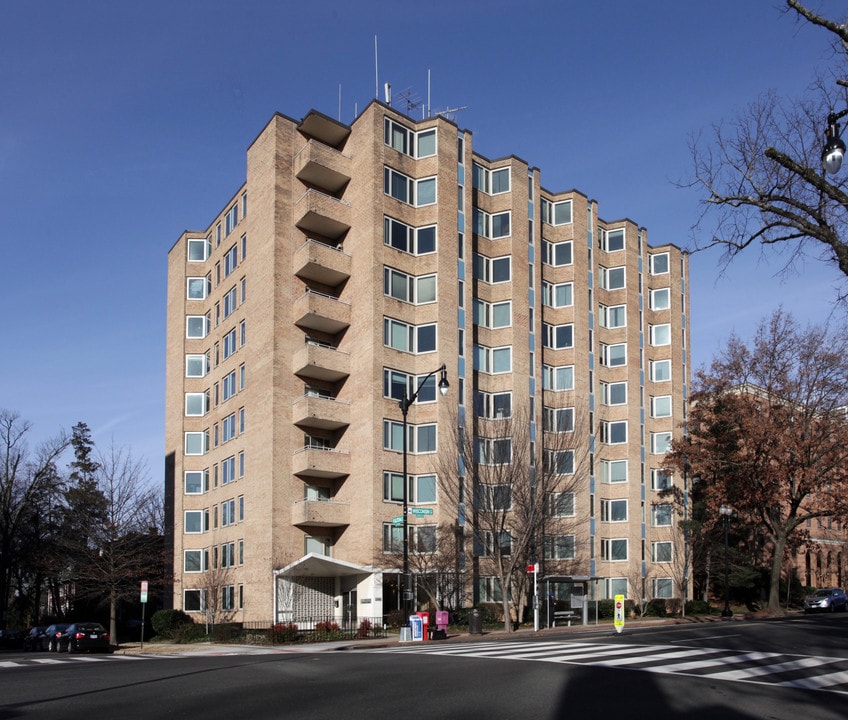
444,385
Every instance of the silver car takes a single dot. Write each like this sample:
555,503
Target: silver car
826,600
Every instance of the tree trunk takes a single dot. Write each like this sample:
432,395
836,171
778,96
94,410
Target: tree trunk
776,568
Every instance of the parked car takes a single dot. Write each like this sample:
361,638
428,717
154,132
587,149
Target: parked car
35,638
51,635
826,600
85,637
11,639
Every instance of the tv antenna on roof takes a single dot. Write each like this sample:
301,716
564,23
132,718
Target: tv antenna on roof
450,113
412,101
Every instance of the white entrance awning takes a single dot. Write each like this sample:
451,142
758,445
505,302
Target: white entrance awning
313,565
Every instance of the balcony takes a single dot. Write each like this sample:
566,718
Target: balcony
314,261
323,463
320,361
321,513
321,214
322,167
324,129
324,413
320,312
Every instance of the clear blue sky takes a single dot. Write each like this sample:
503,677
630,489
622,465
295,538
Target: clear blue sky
124,123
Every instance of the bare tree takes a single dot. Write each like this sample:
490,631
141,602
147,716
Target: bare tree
762,173
29,485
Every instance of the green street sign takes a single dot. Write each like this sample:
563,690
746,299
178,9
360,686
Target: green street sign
418,512
397,520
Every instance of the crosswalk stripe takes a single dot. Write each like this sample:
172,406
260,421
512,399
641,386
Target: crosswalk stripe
799,664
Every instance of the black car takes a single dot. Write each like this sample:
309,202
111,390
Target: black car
51,636
85,637
35,638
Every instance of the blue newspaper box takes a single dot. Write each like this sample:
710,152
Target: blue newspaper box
417,626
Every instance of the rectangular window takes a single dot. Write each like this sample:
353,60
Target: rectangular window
561,504
492,361
559,462
493,498
612,278
396,383
417,290
230,260
556,213
229,385
417,145
614,433
228,512
659,264
611,240
412,192
195,521
228,597
491,182
229,343
197,327
197,288
228,555
558,420
661,406
614,549
661,480
228,428
196,482
494,227
661,515
196,443
557,295
660,335
661,552
231,219
493,315
612,317
614,393
663,588
556,254
614,355
613,510
558,378
660,442
559,547
489,589
493,451
615,586
196,404
613,471
660,299
194,561
415,241
409,338
228,470
493,406
492,270
198,250
230,302
420,438
392,538
558,337
660,370
197,366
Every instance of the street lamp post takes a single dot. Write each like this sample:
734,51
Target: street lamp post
726,513
404,408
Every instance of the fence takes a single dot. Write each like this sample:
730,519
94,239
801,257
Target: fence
306,629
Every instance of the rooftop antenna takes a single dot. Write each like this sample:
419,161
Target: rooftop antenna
376,72
412,101
450,113
340,102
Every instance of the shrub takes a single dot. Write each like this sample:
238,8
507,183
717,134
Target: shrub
166,622
364,629
283,633
697,607
188,633
327,628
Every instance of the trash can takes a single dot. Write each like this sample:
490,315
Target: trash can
475,622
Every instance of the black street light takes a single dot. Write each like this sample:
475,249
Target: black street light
404,408
833,152
726,513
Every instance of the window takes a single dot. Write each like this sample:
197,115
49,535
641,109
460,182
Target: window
417,145
558,378
228,470
611,240
559,462
615,586
492,270
660,370
660,480
660,442
197,366
228,428
661,334
412,192
396,383
612,278
661,515
661,552
491,182
493,451
229,385
614,355
556,254
613,471
196,482
488,545
194,561
663,588
409,288
660,299
197,288
228,512
228,555
231,219
489,589
613,510
494,226
197,327
392,537
614,393
230,302
558,337
409,338
561,504
614,433
614,549
422,538
196,443
422,488
420,438
492,360
559,547
320,545
558,420
557,295
228,596
415,241
493,315
196,404
659,264
556,213
492,498
661,406
612,317
229,343
198,249
230,260
195,521
493,406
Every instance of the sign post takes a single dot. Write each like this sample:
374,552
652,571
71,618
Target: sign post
619,613
534,568
143,606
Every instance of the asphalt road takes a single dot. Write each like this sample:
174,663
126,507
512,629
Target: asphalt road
776,670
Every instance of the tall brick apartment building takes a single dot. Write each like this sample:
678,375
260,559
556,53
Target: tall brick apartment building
353,262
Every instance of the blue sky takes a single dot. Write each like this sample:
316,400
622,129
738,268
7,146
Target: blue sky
124,123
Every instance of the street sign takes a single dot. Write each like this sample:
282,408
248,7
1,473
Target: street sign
618,618
144,591
418,512
533,568
397,520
